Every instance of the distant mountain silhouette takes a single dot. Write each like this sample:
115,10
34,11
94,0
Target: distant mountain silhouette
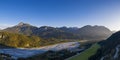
51,32
94,32
44,31
22,28
87,32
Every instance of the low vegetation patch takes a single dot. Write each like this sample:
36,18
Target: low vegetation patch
87,53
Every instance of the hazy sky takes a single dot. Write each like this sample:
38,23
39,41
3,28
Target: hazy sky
57,13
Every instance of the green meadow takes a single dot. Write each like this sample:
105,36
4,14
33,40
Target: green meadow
87,53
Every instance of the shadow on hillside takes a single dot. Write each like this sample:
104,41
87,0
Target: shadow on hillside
4,46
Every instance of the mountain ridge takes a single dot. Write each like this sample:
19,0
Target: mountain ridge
86,32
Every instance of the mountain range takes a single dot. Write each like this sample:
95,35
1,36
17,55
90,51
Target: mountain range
87,32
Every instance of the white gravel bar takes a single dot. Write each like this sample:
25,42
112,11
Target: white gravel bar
27,52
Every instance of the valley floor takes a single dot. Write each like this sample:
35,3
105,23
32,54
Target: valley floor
27,52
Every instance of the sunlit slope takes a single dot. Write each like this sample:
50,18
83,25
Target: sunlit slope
20,40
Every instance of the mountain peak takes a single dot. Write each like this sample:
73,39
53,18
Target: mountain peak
22,24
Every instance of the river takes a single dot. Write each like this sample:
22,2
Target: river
27,52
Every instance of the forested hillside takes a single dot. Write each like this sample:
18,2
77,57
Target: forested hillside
108,48
20,40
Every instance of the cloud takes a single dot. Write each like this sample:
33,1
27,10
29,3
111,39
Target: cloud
3,26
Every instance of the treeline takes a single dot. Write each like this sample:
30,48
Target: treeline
52,55
19,40
5,57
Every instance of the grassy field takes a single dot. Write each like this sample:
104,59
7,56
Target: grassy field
87,53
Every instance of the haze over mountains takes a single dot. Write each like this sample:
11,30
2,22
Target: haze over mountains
87,32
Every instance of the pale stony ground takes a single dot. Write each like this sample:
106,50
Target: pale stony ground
27,52
116,53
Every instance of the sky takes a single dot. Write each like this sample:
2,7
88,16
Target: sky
58,13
